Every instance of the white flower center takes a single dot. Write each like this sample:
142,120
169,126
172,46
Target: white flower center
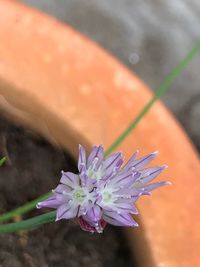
106,196
79,195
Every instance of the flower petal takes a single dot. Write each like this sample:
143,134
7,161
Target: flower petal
140,163
97,152
94,214
131,161
123,206
122,180
130,194
81,159
70,179
113,162
66,211
150,187
62,189
50,202
122,219
150,173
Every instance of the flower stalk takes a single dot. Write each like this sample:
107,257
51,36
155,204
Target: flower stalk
29,223
23,209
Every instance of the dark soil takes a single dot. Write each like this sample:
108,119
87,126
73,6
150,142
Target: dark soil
33,167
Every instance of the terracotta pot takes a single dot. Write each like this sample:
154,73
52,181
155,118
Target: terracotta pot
66,88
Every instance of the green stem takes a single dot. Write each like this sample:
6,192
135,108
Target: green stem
23,209
160,91
28,224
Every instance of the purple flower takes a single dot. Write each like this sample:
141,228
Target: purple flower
103,191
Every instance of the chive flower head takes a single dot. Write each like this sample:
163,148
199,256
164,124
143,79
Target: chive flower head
104,190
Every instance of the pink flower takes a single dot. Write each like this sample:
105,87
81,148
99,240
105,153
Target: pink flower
103,191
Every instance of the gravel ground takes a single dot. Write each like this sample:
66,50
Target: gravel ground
150,37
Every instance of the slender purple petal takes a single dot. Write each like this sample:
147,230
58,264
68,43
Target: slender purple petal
131,161
94,214
97,152
149,174
81,159
150,187
123,206
70,179
122,180
115,160
66,211
128,193
83,179
50,202
116,219
62,189
142,162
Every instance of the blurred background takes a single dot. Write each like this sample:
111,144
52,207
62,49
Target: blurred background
150,37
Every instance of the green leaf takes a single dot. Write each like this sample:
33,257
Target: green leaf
23,209
28,224
2,161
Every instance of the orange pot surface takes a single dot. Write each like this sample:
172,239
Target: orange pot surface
68,89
